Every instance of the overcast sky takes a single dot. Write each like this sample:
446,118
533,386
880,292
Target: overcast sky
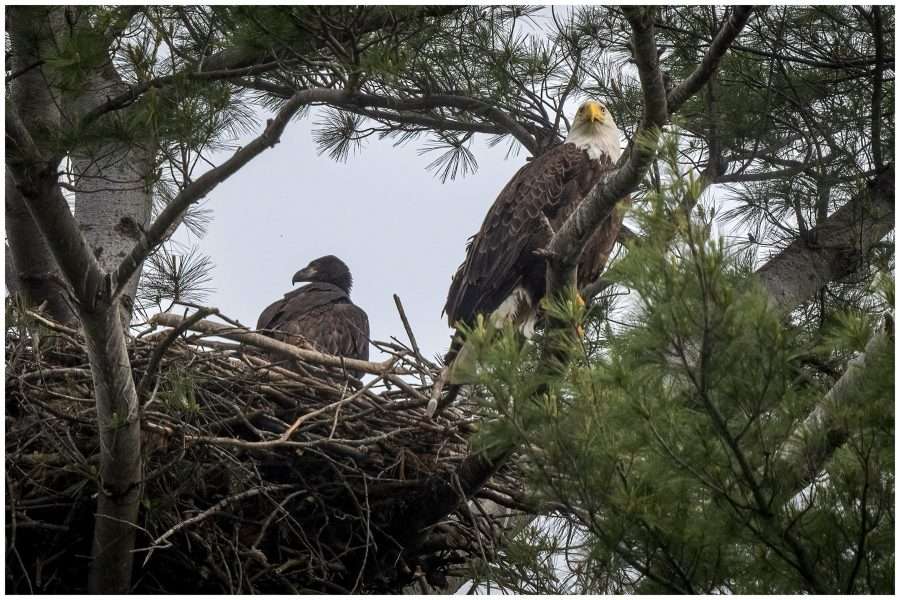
398,228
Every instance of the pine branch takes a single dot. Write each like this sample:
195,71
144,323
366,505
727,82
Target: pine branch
237,62
402,107
821,434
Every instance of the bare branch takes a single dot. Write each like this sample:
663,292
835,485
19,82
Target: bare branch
160,350
267,343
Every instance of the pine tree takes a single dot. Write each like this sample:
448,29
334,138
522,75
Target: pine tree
784,114
667,452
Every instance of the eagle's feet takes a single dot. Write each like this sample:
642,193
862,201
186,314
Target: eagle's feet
547,254
547,226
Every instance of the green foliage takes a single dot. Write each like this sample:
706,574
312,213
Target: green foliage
177,391
669,448
175,277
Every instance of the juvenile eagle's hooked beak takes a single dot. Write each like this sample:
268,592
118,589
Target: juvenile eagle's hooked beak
305,274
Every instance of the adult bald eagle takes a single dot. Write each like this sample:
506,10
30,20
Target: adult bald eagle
503,277
320,313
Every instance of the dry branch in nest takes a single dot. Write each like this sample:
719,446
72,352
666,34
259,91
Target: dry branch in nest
260,477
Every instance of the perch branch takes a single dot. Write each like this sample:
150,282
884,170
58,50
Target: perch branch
570,238
267,343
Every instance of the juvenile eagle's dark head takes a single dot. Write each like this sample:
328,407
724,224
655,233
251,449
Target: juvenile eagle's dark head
326,269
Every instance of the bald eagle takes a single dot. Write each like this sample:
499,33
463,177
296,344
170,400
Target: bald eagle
503,276
320,314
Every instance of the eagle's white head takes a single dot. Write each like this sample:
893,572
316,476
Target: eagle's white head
595,131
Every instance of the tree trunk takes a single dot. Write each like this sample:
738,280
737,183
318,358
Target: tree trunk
118,419
31,36
114,186
112,206
32,272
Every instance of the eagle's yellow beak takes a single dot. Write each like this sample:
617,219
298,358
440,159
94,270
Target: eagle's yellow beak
593,112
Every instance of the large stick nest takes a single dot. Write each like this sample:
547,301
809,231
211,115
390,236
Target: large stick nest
259,476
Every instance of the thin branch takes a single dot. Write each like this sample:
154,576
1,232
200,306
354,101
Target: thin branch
160,349
215,508
720,44
199,188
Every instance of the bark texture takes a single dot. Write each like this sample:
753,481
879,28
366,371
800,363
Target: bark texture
31,36
120,465
842,241
113,179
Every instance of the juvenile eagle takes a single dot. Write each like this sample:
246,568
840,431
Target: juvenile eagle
320,313
503,276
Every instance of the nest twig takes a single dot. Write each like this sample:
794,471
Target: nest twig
261,476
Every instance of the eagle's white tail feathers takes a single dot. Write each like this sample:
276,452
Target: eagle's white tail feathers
518,309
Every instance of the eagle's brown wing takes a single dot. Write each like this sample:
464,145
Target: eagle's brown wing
595,255
341,329
501,255
322,316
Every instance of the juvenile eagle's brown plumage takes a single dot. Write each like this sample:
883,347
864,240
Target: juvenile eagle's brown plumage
320,314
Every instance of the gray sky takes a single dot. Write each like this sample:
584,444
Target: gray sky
398,228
